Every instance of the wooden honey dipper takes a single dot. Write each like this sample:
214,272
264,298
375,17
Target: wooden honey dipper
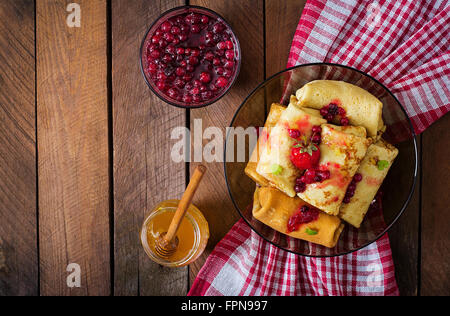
167,243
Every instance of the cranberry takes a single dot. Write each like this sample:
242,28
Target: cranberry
187,77
182,37
329,117
187,99
342,111
192,61
351,187
307,180
220,71
206,95
229,44
350,194
229,54
324,175
209,56
155,39
324,111
179,83
205,77
220,52
345,121
218,28
175,30
195,29
169,37
197,98
161,76
180,71
221,45
162,43
316,139
180,51
166,26
227,73
294,133
216,62
310,175
229,64
195,52
204,19
300,188
170,49
183,63
190,68
347,199
161,85
197,83
173,93
155,54
221,82
304,215
167,58
317,129
358,177
195,91
333,109
152,67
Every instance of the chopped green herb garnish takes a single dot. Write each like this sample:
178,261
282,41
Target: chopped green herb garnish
277,169
382,164
311,232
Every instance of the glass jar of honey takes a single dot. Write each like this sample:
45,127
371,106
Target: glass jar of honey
192,235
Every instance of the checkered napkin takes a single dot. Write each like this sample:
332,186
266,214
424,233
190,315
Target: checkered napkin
404,44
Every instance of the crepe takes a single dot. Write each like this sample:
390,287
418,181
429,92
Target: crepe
363,109
373,177
274,115
274,209
341,154
277,151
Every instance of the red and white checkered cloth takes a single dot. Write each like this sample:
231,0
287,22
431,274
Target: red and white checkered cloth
404,44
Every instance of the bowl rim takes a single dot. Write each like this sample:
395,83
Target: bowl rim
180,8
416,162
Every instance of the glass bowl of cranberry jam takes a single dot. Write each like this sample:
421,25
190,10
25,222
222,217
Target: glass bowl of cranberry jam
388,205
190,57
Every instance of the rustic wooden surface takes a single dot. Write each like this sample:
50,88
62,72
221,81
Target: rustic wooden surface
142,163
435,263
18,229
100,160
73,164
246,19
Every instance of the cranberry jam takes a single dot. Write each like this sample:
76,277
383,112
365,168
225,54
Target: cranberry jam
190,57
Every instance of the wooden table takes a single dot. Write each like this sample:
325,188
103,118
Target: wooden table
84,150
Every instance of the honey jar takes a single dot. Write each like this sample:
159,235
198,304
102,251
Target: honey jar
192,236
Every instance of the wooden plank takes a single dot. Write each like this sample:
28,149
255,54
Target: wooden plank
246,19
18,246
282,18
72,110
435,209
144,173
404,237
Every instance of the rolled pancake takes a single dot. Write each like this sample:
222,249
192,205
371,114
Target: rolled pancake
341,154
363,109
274,208
354,212
354,130
274,115
278,148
